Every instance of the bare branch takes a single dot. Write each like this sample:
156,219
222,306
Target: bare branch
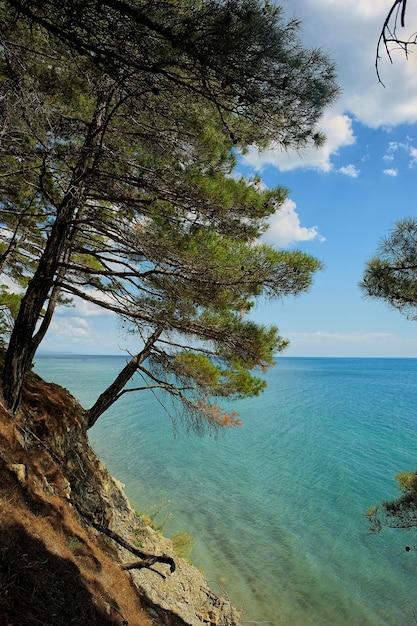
388,35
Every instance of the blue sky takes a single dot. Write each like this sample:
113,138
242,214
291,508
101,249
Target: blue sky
343,198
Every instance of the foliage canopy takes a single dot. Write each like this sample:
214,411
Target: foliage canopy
391,275
399,513
120,126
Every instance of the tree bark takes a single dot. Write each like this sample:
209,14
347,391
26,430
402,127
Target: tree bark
112,393
21,347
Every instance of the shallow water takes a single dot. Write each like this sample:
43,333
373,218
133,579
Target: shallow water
277,507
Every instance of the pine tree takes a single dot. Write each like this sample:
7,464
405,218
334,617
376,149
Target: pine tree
118,154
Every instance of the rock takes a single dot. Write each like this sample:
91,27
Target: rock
20,470
66,493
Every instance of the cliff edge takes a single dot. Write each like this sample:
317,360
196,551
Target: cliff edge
72,550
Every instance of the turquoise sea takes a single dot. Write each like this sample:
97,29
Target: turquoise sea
276,507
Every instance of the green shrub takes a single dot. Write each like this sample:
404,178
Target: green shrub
183,544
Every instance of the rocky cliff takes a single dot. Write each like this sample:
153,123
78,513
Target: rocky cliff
72,551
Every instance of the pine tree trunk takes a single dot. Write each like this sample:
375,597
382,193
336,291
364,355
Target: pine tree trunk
21,349
112,393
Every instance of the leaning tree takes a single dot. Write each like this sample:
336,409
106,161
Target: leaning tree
121,125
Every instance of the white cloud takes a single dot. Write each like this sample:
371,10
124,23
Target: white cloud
413,156
84,327
322,343
348,31
395,147
349,170
83,308
339,133
285,227
88,336
74,329
390,172
391,150
354,337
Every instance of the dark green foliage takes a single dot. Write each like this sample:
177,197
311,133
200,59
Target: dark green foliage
121,122
9,306
391,275
240,55
399,513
